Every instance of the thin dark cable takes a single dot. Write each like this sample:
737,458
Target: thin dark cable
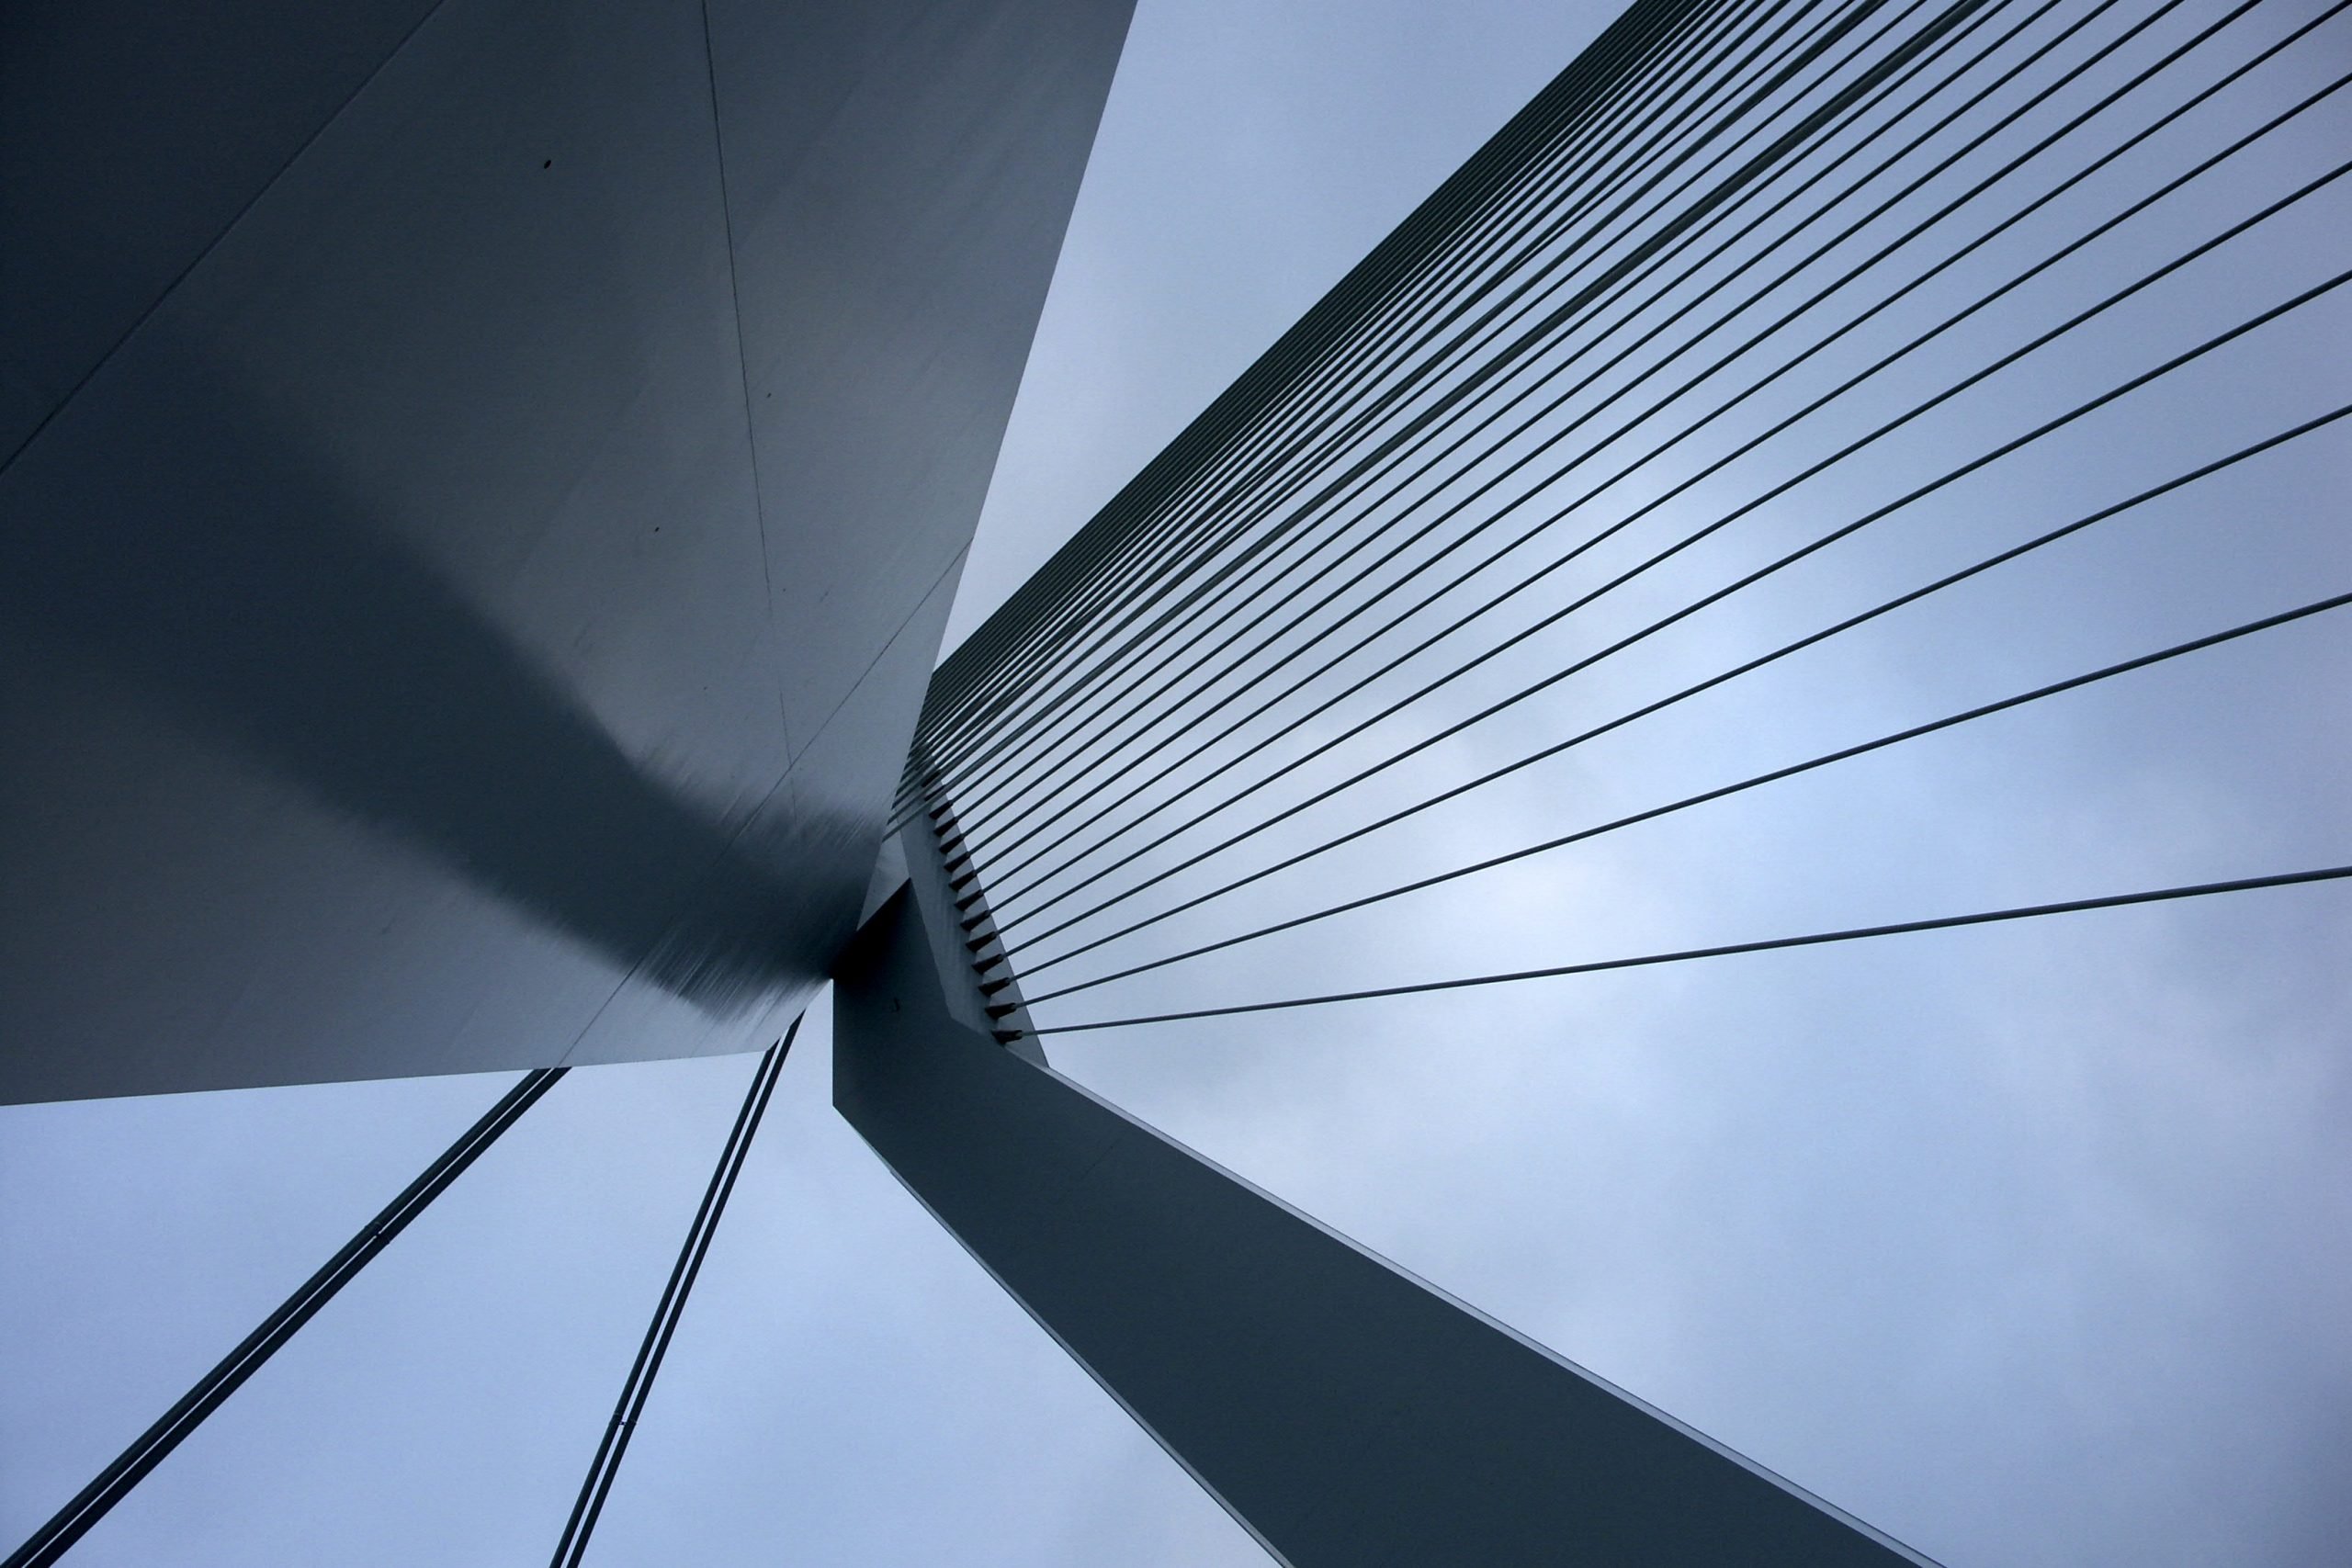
1048,696
1611,288
1037,803
1809,764
1033,805
638,1385
2179,180
1698,688
1573,108
1648,32
1565,178
1950,476
999,768
1285,534
51,1542
1622,428
1069,587
1902,927
1713,597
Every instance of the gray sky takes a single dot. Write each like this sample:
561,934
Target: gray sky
2025,1245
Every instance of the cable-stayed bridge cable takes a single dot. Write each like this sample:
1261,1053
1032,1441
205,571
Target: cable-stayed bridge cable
1048,701
69,1523
1577,96
1111,708
1847,530
613,1447
1630,424
1770,944
1013,865
1588,324
1722,792
1611,284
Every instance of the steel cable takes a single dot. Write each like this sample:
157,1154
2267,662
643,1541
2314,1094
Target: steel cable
69,1523
573,1547
1122,705
1721,792
1814,939
1015,866
2286,116
1949,476
1167,473
1363,470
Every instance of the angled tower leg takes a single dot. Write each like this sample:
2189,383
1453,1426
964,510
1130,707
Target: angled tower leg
1345,1412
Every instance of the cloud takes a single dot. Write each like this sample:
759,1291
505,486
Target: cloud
2020,1242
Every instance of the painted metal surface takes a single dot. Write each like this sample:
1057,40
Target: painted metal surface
477,556
1344,1411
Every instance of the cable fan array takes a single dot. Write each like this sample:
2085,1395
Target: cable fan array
1756,297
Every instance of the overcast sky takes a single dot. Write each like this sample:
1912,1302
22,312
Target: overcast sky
2026,1244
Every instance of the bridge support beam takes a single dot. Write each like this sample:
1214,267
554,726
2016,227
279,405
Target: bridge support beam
1346,1413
